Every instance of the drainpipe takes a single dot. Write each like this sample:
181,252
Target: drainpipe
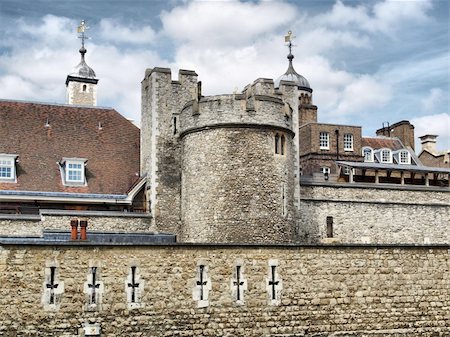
337,143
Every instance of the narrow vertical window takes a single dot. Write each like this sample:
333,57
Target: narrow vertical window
277,143
53,289
134,287
282,144
329,226
283,200
93,288
175,126
202,286
273,283
348,142
238,283
84,87
133,284
324,141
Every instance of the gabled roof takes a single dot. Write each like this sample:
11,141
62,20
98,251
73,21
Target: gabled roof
42,134
382,142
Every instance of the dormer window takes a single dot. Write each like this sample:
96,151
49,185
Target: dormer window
8,167
386,156
367,152
404,157
73,171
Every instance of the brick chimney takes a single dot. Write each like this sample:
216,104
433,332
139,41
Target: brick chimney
429,143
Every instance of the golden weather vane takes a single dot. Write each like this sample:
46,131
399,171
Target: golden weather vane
82,28
288,39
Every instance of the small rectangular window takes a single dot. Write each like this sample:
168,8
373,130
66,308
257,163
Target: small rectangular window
386,156
348,142
324,141
73,171
404,157
8,167
325,170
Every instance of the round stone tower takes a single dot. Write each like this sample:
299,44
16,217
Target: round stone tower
238,166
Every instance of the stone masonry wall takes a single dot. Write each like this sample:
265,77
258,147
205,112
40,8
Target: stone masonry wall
362,214
235,188
17,226
162,101
76,95
359,291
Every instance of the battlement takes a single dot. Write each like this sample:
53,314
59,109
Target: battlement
260,104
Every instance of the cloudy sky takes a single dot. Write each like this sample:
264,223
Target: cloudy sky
368,62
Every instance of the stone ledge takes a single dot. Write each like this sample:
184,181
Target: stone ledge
444,189
57,212
30,217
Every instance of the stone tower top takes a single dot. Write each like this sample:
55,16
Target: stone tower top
81,83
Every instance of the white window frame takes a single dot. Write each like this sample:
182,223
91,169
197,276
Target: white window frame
325,170
348,142
324,140
346,170
65,165
389,161
8,161
368,160
408,157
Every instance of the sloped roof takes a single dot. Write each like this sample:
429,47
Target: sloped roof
108,141
382,142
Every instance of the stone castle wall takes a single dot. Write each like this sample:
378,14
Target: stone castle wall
346,291
375,215
23,225
76,95
162,101
240,190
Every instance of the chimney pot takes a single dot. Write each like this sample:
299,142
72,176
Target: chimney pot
83,229
74,229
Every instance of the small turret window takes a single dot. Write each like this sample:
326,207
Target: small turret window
280,144
84,87
277,143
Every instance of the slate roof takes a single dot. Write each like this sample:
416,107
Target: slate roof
382,142
112,151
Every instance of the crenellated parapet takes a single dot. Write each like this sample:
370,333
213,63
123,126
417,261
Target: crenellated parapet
260,105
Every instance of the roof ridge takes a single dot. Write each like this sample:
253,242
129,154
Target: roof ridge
56,104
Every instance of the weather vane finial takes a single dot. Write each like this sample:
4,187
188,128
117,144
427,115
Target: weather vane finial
288,39
81,30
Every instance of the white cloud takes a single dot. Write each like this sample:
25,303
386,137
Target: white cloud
438,124
225,23
386,17
45,52
112,30
434,100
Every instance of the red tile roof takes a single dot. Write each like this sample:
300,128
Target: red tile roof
112,151
382,142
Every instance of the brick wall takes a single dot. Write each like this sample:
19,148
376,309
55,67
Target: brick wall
322,291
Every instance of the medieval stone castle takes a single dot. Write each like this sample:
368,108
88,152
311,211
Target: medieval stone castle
229,215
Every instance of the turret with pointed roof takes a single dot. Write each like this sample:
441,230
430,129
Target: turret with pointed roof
81,83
